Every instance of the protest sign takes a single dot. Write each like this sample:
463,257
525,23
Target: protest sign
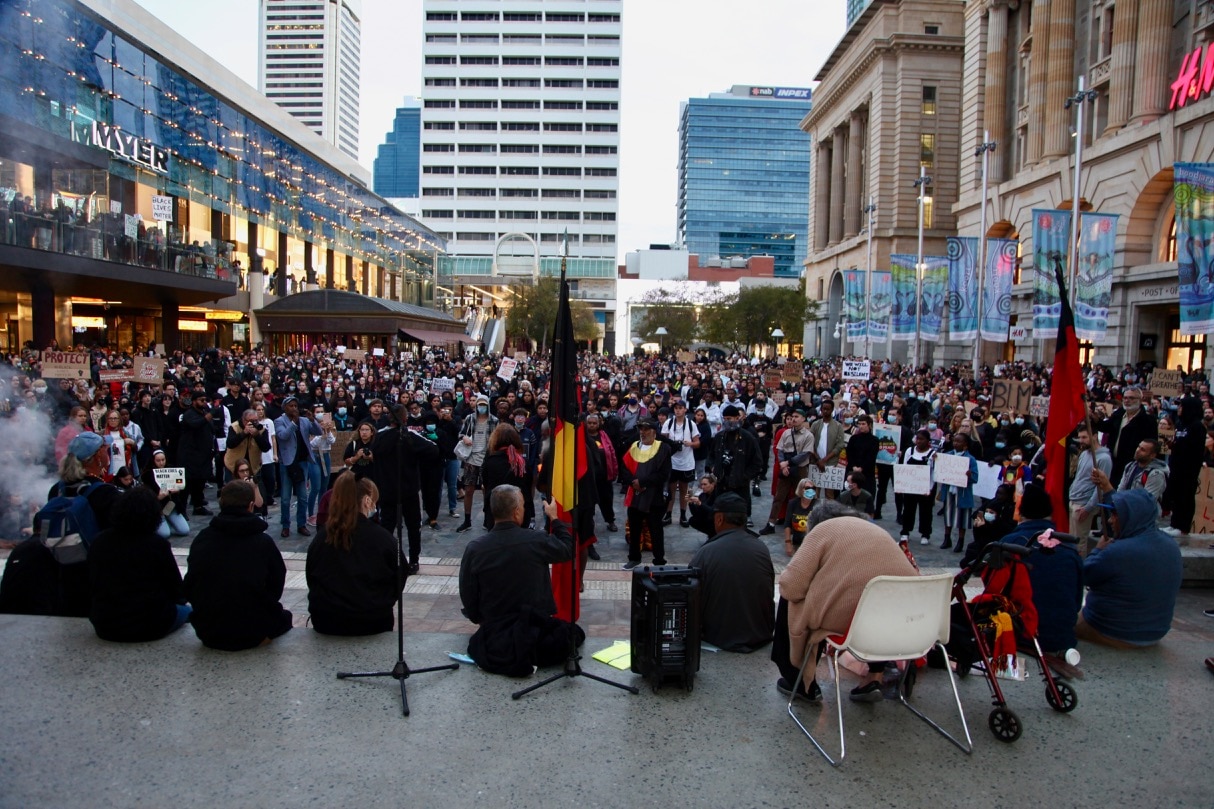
520,356
793,372
912,479
130,226
857,369
377,352
1203,517
355,355
1166,383
685,356
1011,394
952,470
889,443
170,479
1039,407
162,208
337,453
441,384
832,478
988,481
507,368
779,397
148,370
772,379
65,365
115,375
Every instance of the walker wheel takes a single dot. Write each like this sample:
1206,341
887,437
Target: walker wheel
1067,698
1004,724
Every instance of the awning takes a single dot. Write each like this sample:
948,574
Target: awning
433,338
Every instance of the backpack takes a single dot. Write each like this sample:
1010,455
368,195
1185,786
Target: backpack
67,525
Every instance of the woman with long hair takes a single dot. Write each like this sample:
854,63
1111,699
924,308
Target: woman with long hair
352,564
506,462
173,521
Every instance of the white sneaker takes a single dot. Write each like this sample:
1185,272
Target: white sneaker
1172,532
904,538
924,541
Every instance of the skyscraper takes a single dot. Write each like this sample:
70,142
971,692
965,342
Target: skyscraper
396,162
520,125
744,176
308,64
855,8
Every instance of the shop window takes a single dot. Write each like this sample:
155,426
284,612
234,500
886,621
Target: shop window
1184,351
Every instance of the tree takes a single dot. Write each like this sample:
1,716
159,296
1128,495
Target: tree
676,307
748,317
532,313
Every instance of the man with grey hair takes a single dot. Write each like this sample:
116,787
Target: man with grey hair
506,588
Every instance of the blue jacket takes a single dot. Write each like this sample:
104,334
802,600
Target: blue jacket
1133,582
284,431
965,496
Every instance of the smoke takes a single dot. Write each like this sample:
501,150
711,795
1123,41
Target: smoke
27,448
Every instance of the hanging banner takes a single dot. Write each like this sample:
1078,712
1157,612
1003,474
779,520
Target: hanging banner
935,294
1094,282
997,288
853,305
963,287
1193,191
880,300
902,311
1051,230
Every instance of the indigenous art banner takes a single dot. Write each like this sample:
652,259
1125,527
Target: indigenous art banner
963,287
880,301
1193,191
1094,279
997,288
902,311
1051,230
853,305
935,294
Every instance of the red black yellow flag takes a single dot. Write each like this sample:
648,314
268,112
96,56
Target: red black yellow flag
1067,410
568,449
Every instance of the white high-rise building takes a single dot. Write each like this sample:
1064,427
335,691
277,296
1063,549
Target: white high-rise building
308,64
520,127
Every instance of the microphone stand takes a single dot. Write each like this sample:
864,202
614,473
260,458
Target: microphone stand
573,660
400,671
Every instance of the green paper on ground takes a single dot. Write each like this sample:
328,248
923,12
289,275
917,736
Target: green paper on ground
618,655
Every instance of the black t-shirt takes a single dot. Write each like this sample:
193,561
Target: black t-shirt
796,519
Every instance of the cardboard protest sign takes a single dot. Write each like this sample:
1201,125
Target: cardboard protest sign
889,443
832,478
779,397
685,356
857,369
355,355
1203,517
520,356
772,379
170,479
507,368
1011,394
65,365
148,370
115,375
912,479
377,352
337,453
793,372
441,384
1166,383
1039,407
952,470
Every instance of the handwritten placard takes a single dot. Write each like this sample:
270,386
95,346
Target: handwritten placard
772,379
857,369
162,208
952,470
793,371
912,478
148,370
507,368
685,356
355,355
1012,395
441,384
833,477
170,479
1167,383
337,453
1039,407
65,365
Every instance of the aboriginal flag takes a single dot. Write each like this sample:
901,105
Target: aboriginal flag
568,450
1066,407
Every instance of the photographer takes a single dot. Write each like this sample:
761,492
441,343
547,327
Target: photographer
247,440
736,459
358,455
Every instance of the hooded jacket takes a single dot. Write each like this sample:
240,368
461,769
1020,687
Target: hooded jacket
1132,583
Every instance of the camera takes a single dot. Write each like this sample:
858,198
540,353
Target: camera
727,458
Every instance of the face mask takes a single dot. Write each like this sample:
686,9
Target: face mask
891,418
1019,421
1004,422
341,411
730,425
989,516
889,397
848,420
931,425
328,391
795,398
910,395
1017,458
810,494
519,423
1000,444
482,409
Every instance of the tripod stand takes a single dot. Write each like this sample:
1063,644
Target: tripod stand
573,660
401,671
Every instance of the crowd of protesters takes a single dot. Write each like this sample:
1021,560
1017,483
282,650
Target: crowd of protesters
427,427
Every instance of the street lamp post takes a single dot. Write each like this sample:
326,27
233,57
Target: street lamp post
984,150
841,333
661,333
1072,248
922,183
777,334
871,210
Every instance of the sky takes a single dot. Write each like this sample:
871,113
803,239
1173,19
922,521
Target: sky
672,51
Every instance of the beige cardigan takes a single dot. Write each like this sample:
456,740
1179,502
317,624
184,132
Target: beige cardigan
825,577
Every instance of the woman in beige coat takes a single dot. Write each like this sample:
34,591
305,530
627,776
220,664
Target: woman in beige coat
822,586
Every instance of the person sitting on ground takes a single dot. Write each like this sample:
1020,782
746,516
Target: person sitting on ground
505,587
736,581
819,591
35,583
1147,471
796,515
137,589
1132,575
235,576
700,506
855,494
352,564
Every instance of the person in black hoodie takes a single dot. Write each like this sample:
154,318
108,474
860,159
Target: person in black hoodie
352,566
399,454
235,577
137,589
1184,466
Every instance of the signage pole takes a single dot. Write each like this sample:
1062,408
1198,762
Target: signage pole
985,148
1072,249
870,209
922,184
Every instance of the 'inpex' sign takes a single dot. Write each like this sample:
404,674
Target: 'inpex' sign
802,93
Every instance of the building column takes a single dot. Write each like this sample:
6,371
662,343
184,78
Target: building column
1121,73
170,335
1039,60
1151,85
366,278
1060,79
42,317
349,284
329,269
257,297
822,196
994,118
836,185
851,203
280,288
309,266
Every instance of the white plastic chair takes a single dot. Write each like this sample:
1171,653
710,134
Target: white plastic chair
898,618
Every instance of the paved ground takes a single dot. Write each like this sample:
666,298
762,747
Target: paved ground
171,723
